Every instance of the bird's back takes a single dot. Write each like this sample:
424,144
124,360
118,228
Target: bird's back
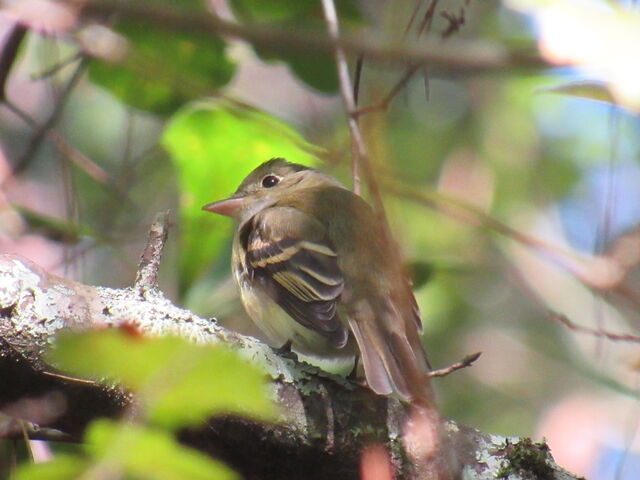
377,301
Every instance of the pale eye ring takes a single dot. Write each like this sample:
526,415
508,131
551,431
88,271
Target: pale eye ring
270,181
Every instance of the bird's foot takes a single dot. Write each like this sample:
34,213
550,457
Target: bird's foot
353,376
285,351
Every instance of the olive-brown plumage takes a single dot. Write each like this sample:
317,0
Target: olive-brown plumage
316,269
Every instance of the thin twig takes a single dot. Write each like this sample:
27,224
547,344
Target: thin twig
21,114
42,132
83,162
412,19
386,101
427,21
9,53
358,149
455,22
49,72
580,267
357,76
596,332
467,361
147,276
67,378
359,157
25,437
425,77
34,432
425,25
80,160
463,56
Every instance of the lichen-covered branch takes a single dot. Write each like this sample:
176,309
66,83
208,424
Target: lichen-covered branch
327,420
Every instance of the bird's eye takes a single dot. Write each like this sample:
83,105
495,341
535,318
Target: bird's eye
270,181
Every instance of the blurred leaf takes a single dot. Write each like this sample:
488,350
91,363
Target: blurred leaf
178,383
591,90
273,11
53,228
421,273
10,49
316,69
301,13
151,454
164,69
218,381
566,36
557,174
62,467
215,146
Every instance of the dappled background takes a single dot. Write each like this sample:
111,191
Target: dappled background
512,187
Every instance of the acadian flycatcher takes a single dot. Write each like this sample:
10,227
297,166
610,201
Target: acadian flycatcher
317,271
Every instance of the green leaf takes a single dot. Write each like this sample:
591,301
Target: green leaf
214,146
590,90
150,454
165,68
272,11
63,467
421,273
178,383
211,381
316,69
300,12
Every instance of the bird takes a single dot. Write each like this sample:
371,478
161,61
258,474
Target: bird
318,272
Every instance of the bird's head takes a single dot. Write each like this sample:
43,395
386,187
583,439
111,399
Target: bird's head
265,186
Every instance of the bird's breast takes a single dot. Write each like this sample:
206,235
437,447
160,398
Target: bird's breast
279,328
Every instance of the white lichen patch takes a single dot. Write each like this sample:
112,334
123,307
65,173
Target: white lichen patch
153,314
451,427
9,289
45,304
486,457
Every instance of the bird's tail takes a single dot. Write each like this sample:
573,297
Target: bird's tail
392,354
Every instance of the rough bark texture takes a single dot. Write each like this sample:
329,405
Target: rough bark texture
328,421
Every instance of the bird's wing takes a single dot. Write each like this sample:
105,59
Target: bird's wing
295,263
380,307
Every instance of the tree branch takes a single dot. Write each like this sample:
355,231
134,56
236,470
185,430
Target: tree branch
455,56
327,421
467,361
147,275
596,332
358,149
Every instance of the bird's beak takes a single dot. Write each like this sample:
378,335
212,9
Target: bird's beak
228,207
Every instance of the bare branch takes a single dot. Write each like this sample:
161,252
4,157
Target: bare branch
147,276
68,378
457,56
414,15
357,77
598,273
358,149
596,332
43,131
34,432
427,20
467,361
13,39
34,305
386,101
49,72
83,162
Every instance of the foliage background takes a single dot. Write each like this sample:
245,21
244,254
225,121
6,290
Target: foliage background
178,117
